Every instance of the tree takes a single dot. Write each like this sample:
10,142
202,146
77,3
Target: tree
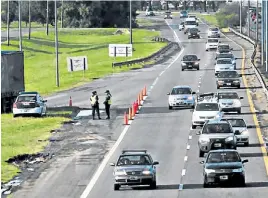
13,5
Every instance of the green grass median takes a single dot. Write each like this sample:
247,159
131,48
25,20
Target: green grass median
40,55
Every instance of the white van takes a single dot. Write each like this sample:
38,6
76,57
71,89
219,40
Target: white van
190,23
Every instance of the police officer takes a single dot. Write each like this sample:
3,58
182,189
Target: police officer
94,100
107,103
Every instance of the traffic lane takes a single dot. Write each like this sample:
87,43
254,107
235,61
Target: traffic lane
14,33
164,134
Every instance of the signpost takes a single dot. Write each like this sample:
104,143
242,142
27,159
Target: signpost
78,63
120,50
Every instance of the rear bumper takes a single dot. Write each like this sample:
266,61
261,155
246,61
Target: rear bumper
192,66
184,104
26,111
193,36
215,177
231,109
225,84
211,146
140,180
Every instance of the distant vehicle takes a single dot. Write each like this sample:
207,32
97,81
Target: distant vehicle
193,16
214,32
168,15
223,48
230,101
190,61
216,134
212,43
223,64
189,23
240,128
181,26
181,96
193,33
224,166
183,14
29,103
149,12
207,109
134,167
227,55
228,79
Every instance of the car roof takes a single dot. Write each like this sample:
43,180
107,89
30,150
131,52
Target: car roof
189,55
229,71
226,54
223,150
233,118
223,44
182,86
213,39
216,122
226,91
134,153
190,19
224,59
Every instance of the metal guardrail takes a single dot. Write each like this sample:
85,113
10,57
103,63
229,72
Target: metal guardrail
142,60
258,74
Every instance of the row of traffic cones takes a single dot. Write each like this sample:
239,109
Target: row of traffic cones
134,109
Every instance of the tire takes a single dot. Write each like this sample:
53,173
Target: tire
192,107
246,144
193,126
201,153
218,87
197,68
182,69
116,186
15,116
207,50
238,86
153,185
239,111
169,107
205,184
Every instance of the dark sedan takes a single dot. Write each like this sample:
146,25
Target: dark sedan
228,79
224,166
193,33
190,62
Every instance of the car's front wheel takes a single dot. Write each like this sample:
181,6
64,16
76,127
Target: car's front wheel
169,107
201,153
116,186
205,184
197,68
239,111
153,185
218,87
193,126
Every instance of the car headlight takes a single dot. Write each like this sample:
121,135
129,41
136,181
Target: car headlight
236,81
220,81
245,133
204,140
239,170
196,63
146,172
217,116
208,171
119,173
183,63
229,139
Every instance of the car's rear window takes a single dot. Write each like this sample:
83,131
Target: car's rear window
207,107
178,91
232,95
28,98
228,74
223,47
217,128
213,29
193,30
213,40
224,61
223,157
225,56
189,58
128,160
237,122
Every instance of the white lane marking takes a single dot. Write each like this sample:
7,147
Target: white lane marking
183,172
161,73
190,137
197,91
199,82
185,158
188,147
198,86
119,140
155,81
180,186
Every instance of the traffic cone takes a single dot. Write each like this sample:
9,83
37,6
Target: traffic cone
129,114
144,91
125,119
137,107
133,110
139,101
70,102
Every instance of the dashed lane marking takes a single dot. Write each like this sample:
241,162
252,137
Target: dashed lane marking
183,172
190,137
188,147
180,186
185,158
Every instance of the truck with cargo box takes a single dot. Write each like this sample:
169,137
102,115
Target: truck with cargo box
12,78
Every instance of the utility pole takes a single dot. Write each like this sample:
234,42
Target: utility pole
29,37
257,21
266,37
47,17
56,46
262,33
8,42
240,16
61,14
20,34
130,20
248,18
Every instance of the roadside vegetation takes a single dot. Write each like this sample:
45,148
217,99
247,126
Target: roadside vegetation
15,24
20,136
40,55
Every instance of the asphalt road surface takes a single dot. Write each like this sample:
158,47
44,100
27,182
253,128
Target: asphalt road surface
166,134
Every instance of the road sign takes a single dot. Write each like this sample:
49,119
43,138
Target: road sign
78,63
120,50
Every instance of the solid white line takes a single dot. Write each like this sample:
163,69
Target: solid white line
190,137
180,186
161,73
185,158
188,147
119,140
183,172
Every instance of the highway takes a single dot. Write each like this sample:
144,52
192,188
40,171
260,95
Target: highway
166,134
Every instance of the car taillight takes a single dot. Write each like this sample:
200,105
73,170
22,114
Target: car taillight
14,105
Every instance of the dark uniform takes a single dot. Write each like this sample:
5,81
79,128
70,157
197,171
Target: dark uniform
94,100
107,103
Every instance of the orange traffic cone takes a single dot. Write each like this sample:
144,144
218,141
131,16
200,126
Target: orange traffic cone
145,91
125,119
129,114
139,101
133,110
136,107
70,102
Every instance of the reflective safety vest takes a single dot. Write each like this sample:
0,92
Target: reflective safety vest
93,100
109,101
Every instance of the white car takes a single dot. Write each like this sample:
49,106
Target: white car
230,101
149,13
29,103
214,32
223,64
212,43
181,26
241,130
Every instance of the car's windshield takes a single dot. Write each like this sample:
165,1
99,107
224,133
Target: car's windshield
213,29
207,107
217,128
228,74
182,23
237,122
221,47
128,160
29,98
232,95
178,91
213,40
190,58
225,56
193,30
223,157
183,12
190,22
224,61
192,16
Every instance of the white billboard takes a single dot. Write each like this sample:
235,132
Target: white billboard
78,63
120,50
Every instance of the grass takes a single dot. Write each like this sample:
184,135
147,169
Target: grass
211,19
40,58
20,136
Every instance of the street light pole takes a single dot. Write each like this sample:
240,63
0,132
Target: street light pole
29,36
266,37
257,21
240,18
20,34
8,23
47,18
130,20
56,45
61,14
248,18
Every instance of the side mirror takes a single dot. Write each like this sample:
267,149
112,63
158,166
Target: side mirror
155,163
237,132
202,162
245,161
241,97
231,48
198,133
199,59
215,58
214,63
112,164
168,93
219,41
193,92
240,75
44,100
249,126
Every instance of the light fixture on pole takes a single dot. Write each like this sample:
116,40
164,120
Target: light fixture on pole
130,20
257,21
20,33
56,45
240,16
248,18
8,42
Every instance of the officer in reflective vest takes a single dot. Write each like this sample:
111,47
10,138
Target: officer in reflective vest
94,100
107,103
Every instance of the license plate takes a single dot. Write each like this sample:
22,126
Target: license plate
190,66
224,177
228,83
25,110
133,178
217,144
